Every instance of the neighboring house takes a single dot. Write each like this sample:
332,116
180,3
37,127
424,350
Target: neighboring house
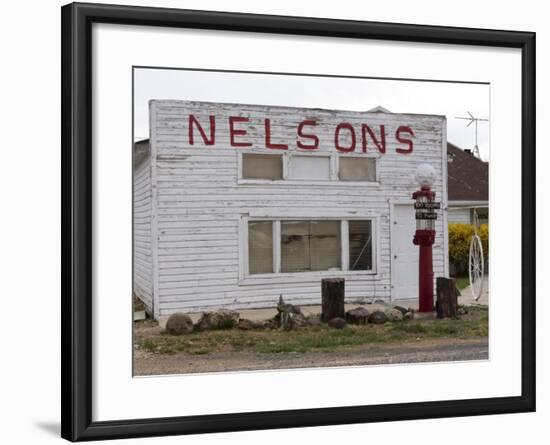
237,204
468,182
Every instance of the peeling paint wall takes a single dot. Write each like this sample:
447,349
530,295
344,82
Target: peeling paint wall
199,201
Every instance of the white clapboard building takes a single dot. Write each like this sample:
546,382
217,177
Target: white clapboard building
237,204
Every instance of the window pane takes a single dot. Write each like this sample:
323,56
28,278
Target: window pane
257,166
360,245
310,167
295,246
310,245
357,169
260,247
325,245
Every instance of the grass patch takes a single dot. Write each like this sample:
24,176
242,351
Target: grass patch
320,338
147,344
200,352
462,282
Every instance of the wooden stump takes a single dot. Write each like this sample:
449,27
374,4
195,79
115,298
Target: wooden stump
447,302
332,301
359,315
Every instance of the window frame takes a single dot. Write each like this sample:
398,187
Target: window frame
287,160
240,167
277,277
309,220
354,155
273,241
301,154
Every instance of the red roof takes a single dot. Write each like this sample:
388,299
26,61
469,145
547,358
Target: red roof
468,176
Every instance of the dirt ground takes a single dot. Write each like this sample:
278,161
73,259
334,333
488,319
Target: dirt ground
148,363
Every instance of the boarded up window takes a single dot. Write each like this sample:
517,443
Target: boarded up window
360,245
258,166
310,246
357,169
260,247
310,167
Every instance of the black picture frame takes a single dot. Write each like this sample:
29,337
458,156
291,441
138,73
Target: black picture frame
76,247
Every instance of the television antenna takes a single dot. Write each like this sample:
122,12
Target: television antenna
473,120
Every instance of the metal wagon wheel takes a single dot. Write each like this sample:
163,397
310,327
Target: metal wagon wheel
476,264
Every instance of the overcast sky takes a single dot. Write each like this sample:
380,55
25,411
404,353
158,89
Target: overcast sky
398,96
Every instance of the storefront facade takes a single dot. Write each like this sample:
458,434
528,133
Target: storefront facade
235,205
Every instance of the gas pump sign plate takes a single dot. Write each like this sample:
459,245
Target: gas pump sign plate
427,215
427,205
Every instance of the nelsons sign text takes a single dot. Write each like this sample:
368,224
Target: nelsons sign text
344,136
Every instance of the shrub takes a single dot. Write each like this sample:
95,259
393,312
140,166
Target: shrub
483,233
460,236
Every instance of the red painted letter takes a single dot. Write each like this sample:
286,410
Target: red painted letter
235,132
337,137
406,141
212,140
315,144
268,143
381,145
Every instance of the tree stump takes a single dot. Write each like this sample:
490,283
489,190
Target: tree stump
446,305
359,315
332,298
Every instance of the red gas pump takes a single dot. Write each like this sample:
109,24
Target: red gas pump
424,236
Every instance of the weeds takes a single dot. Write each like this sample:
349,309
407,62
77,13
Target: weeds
319,338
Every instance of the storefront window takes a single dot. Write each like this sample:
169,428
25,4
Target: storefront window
310,246
279,246
260,247
357,169
259,166
360,245
316,168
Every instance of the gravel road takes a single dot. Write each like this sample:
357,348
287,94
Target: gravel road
146,363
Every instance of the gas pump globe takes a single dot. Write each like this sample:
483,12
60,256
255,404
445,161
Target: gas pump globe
424,236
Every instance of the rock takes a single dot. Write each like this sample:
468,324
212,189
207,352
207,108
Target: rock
408,315
387,307
314,321
337,323
289,316
289,321
222,319
378,317
287,307
401,309
179,323
359,315
393,314
299,320
140,315
270,324
246,325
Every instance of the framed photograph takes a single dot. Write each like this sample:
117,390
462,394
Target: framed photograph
274,222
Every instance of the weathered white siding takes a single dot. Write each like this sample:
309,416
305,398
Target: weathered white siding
143,257
200,203
458,215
